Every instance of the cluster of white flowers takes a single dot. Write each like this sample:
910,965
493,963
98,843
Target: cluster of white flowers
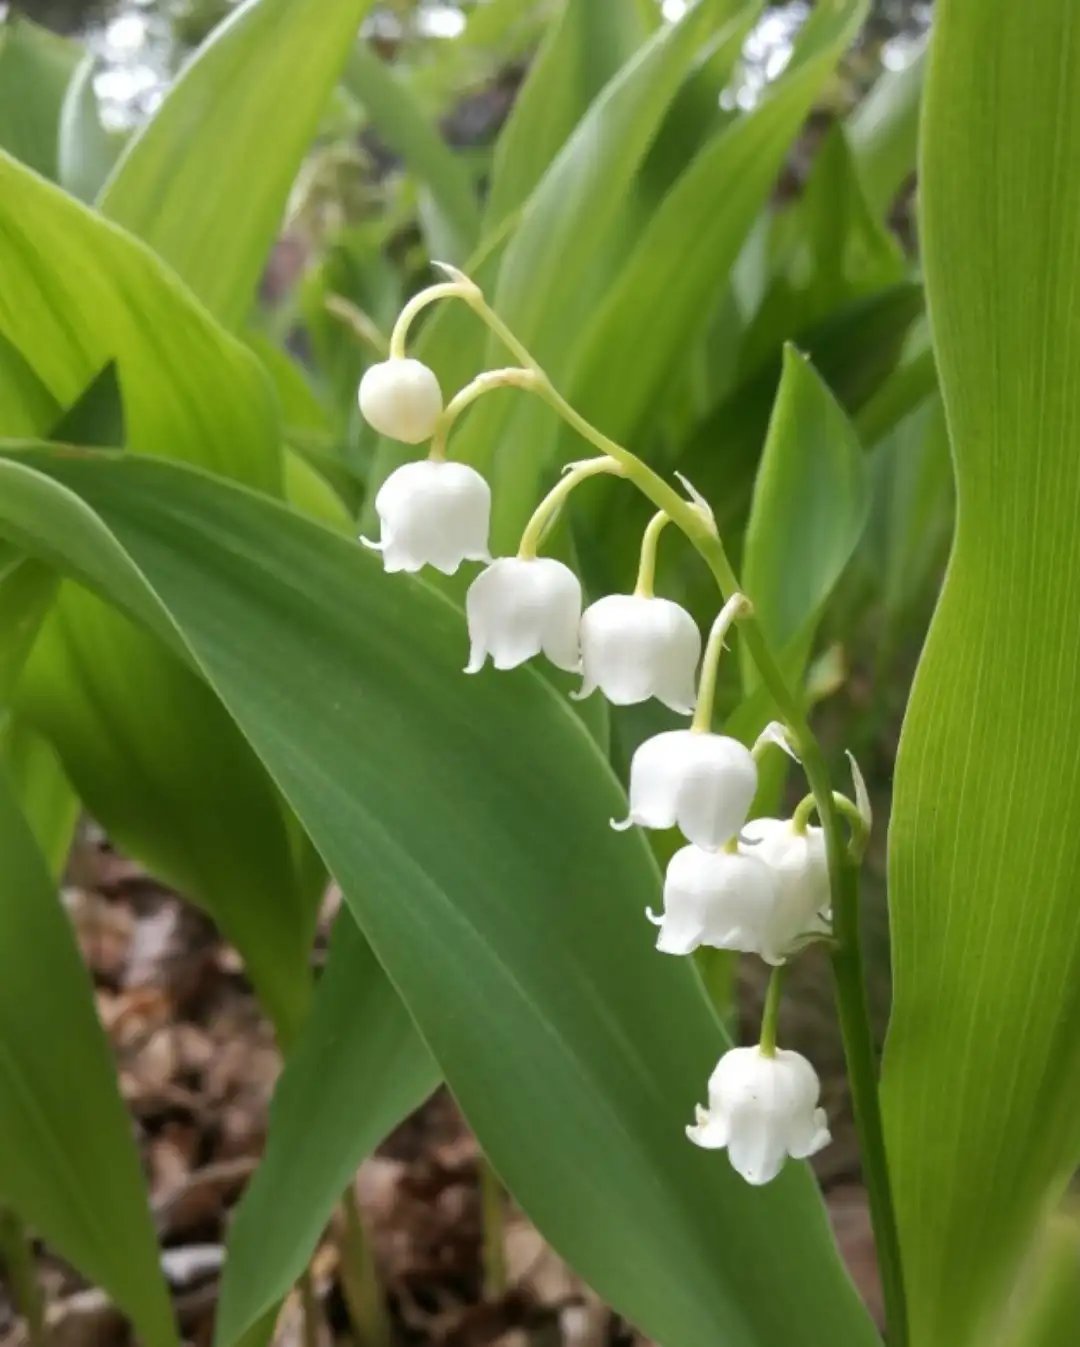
754,886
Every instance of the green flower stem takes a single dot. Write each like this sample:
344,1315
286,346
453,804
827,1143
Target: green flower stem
18,1257
483,383
852,1005
419,302
549,507
493,1215
646,576
770,1016
738,606
848,809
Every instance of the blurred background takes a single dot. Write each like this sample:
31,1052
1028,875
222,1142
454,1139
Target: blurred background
832,265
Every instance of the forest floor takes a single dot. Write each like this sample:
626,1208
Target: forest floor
197,1065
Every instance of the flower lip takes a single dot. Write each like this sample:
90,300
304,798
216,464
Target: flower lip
432,513
634,647
520,607
703,782
763,1109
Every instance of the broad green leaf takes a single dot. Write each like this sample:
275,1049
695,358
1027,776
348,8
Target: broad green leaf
35,66
405,127
582,50
356,1071
810,500
26,405
45,795
146,746
690,245
884,132
68,1163
436,800
982,1065
86,152
96,418
78,293
206,181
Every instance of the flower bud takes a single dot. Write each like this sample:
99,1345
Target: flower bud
634,648
401,398
763,1109
723,899
521,606
432,513
705,783
799,863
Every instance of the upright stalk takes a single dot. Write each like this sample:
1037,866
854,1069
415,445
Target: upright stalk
493,1218
853,1007
359,1279
18,1257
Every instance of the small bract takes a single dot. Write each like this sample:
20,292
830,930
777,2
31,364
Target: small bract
799,863
520,607
722,899
634,648
763,1109
703,782
401,398
432,513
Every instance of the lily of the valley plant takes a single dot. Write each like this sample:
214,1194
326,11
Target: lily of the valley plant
760,886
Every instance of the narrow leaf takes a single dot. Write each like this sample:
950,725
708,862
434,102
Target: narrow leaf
71,1172
435,799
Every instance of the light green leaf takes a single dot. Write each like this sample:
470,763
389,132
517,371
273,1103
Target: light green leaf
70,1172
405,127
884,132
581,51
206,181
356,1071
147,747
26,405
684,256
35,66
982,1065
573,1047
86,152
45,795
809,507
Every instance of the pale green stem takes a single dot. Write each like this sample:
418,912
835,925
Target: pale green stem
553,501
18,1256
493,1217
310,1309
852,1005
848,809
770,1016
646,576
487,382
738,606
360,323
416,305
359,1279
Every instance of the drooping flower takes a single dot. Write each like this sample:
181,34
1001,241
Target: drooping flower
723,899
703,782
798,861
763,1108
401,398
433,513
634,647
522,606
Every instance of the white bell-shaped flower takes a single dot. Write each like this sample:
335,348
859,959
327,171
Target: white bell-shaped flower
635,647
799,863
401,398
703,782
763,1109
433,513
521,606
723,899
